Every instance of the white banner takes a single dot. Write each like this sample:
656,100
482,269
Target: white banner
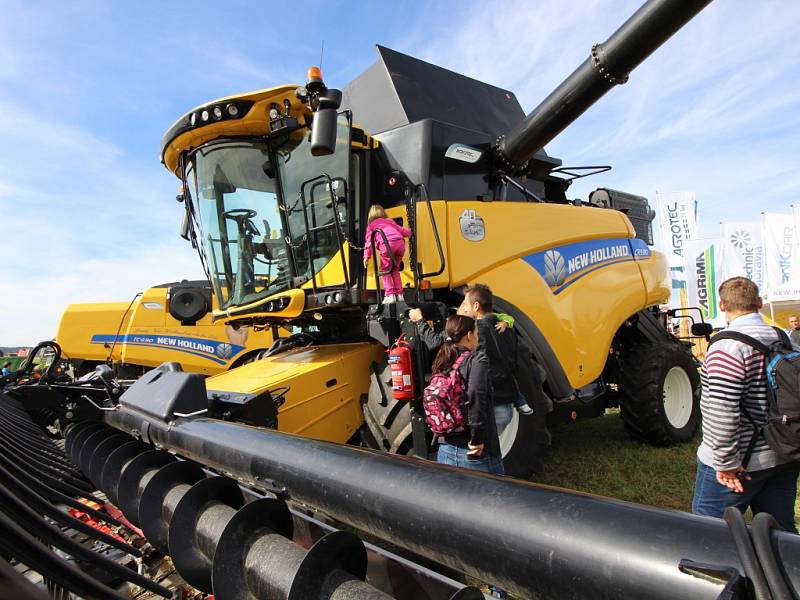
702,260
677,222
794,275
778,236
742,251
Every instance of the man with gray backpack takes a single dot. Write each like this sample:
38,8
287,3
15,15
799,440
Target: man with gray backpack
751,414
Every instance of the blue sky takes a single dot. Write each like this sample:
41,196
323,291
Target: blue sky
88,88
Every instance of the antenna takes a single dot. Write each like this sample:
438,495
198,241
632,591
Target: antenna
321,53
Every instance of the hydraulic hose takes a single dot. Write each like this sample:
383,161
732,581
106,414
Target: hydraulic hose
762,526
744,546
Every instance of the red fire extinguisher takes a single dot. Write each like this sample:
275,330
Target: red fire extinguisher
401,369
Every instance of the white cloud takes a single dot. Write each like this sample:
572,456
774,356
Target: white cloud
81,221
30,307
714,110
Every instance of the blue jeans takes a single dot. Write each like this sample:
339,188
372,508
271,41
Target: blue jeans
771,490
503,413
457,456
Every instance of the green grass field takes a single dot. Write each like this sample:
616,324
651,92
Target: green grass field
597,456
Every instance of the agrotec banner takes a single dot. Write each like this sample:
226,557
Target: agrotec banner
742,251
703,261
778,235
677,223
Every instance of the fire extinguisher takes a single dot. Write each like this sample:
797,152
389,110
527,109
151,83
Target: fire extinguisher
400,367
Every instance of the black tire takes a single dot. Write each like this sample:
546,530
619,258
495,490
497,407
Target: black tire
659,393
388,420
523,458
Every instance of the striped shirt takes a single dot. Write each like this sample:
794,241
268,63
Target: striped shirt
734,378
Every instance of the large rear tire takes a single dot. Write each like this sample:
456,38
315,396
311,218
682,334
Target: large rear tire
660,393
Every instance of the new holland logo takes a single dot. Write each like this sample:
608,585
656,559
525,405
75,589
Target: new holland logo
555,268
741,239
224,350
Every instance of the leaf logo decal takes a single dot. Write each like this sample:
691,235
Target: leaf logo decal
555,268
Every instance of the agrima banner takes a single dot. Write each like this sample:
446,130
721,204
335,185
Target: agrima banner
742,251
677,222
702,263
778,234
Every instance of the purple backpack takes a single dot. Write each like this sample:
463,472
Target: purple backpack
444,399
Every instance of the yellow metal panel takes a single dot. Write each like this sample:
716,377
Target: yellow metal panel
580,322
149,336
515,229
655,274
79,321
325,385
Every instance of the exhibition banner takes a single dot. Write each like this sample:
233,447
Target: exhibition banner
676,216
702,263
777,232
794,275
742,251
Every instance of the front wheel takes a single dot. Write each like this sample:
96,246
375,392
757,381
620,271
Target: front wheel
522,446
660,393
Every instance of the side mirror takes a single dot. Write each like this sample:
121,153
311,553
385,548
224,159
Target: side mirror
702,329
325,124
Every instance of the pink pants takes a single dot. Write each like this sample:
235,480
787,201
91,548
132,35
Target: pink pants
391,282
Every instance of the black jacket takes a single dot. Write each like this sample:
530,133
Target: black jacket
480,413
501,348
432,339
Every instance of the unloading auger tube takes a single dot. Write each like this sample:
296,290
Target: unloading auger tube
609,64
535,541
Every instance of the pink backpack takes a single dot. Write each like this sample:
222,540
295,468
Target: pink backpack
444,399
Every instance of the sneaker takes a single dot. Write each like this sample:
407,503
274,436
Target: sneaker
389,299
524,409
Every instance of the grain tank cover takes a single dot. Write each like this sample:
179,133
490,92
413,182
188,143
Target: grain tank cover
399,89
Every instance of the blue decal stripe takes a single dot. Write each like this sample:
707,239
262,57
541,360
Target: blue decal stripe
589,270
206,356
561,266
575,276
217,351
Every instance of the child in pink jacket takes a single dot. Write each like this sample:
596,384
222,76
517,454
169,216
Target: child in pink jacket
395,235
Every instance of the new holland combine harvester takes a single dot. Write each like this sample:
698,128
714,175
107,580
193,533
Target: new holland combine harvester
182,486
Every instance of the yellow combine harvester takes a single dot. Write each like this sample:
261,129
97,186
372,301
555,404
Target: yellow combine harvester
165,323
277,184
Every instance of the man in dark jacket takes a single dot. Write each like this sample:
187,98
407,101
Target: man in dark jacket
501,348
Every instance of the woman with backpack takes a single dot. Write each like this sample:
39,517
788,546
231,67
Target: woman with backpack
458,402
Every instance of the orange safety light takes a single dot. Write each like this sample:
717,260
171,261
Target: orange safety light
573,415
314,74
424,285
